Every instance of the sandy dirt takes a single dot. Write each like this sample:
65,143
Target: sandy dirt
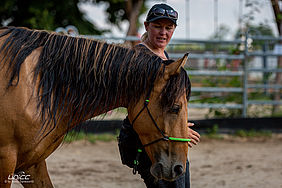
231,162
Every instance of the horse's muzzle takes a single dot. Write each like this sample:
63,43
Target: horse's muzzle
167,172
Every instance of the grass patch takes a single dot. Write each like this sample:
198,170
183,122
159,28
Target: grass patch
253,133
75,136
106,137
213,132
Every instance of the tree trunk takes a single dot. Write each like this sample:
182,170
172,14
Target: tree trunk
278,81
277,12
133,8
278,78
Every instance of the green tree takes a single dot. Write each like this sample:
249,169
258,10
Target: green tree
253,7
50,14
45,14
221,32
260,29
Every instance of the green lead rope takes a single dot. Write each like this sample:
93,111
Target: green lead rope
179,139
139,151
166,138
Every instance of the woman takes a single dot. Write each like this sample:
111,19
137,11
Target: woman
160,25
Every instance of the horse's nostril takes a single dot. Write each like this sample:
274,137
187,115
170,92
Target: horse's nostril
157,170
178,169
169,173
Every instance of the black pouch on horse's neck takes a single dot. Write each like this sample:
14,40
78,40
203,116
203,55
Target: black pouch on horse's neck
129,143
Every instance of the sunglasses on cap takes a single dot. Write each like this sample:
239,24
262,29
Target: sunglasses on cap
163,12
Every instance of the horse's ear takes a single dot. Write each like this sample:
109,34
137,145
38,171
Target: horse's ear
175,67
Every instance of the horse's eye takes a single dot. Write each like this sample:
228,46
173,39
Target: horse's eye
175,108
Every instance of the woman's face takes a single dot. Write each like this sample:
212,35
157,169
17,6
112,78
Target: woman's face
159,32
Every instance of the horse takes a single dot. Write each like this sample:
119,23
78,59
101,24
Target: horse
49,83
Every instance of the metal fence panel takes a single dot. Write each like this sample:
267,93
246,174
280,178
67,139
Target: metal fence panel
242,73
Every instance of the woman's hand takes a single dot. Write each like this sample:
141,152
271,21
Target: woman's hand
193,135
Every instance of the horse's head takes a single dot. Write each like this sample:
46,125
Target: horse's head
160,119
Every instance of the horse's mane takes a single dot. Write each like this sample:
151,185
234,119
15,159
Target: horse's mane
89,75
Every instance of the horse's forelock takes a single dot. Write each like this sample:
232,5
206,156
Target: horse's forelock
176,86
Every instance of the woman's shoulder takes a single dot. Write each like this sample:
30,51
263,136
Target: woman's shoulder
141,47
145,49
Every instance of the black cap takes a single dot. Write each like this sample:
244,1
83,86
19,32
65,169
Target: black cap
152,17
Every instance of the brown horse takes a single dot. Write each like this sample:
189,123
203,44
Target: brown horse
49,83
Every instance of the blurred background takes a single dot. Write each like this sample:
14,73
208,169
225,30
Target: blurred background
235,62
235,66
197,18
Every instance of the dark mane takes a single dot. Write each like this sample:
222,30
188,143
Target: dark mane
85,75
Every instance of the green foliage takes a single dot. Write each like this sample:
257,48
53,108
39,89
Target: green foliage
42,19
45,14
253,133
76,136
221,32
279,16
260,29
213,132
51,14
101,137
278,113
183,48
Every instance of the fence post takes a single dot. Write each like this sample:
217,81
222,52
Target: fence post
245,77
265,64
